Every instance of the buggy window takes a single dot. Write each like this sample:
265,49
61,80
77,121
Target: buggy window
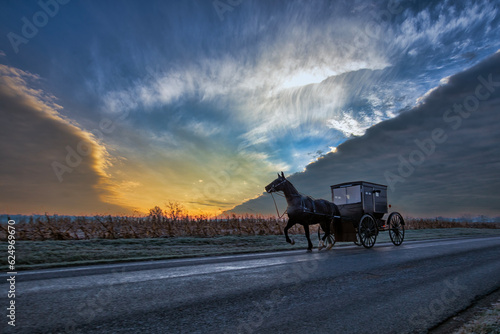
347,195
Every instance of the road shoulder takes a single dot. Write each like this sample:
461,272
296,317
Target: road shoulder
462,319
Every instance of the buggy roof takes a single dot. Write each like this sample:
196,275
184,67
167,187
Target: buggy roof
356,183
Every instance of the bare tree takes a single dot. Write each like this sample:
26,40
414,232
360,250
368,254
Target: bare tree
174,210
156,213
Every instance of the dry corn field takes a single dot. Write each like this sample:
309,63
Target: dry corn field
158,226
117,227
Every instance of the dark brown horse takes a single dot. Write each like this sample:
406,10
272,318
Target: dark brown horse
304,210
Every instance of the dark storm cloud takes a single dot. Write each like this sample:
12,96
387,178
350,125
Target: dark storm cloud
34,136
440,158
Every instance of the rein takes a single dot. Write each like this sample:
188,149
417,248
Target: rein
276,206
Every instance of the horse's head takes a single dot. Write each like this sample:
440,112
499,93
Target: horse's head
277,185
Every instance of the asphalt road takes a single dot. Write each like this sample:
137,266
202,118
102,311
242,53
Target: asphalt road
386,289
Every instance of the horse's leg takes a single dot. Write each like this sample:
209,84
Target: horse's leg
287,227
327,234
321,241
309,243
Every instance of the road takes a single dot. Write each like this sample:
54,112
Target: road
386,289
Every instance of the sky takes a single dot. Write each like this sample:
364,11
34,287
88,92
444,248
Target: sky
115,107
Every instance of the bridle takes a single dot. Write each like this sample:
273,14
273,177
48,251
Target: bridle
276,185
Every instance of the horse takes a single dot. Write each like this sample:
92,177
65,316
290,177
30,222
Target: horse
304,210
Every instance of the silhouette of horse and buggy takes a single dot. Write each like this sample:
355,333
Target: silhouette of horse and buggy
356,213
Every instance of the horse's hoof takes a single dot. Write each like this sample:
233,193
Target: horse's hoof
329,247
292,242
320,248
309,250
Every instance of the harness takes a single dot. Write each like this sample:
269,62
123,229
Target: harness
303,206
305,209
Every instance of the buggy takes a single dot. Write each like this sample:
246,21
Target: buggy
362,207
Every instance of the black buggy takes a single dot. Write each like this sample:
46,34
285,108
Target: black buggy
362,207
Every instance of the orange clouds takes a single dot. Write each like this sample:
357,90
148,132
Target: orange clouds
49,164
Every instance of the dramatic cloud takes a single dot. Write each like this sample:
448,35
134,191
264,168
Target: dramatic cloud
441,157
48,164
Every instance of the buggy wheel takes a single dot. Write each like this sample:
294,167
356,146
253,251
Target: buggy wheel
367,231
396,228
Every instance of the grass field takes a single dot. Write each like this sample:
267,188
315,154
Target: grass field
57,253
487,322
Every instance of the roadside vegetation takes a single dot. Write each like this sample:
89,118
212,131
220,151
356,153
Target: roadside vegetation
487,322
174,222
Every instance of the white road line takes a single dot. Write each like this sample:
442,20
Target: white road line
59,284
